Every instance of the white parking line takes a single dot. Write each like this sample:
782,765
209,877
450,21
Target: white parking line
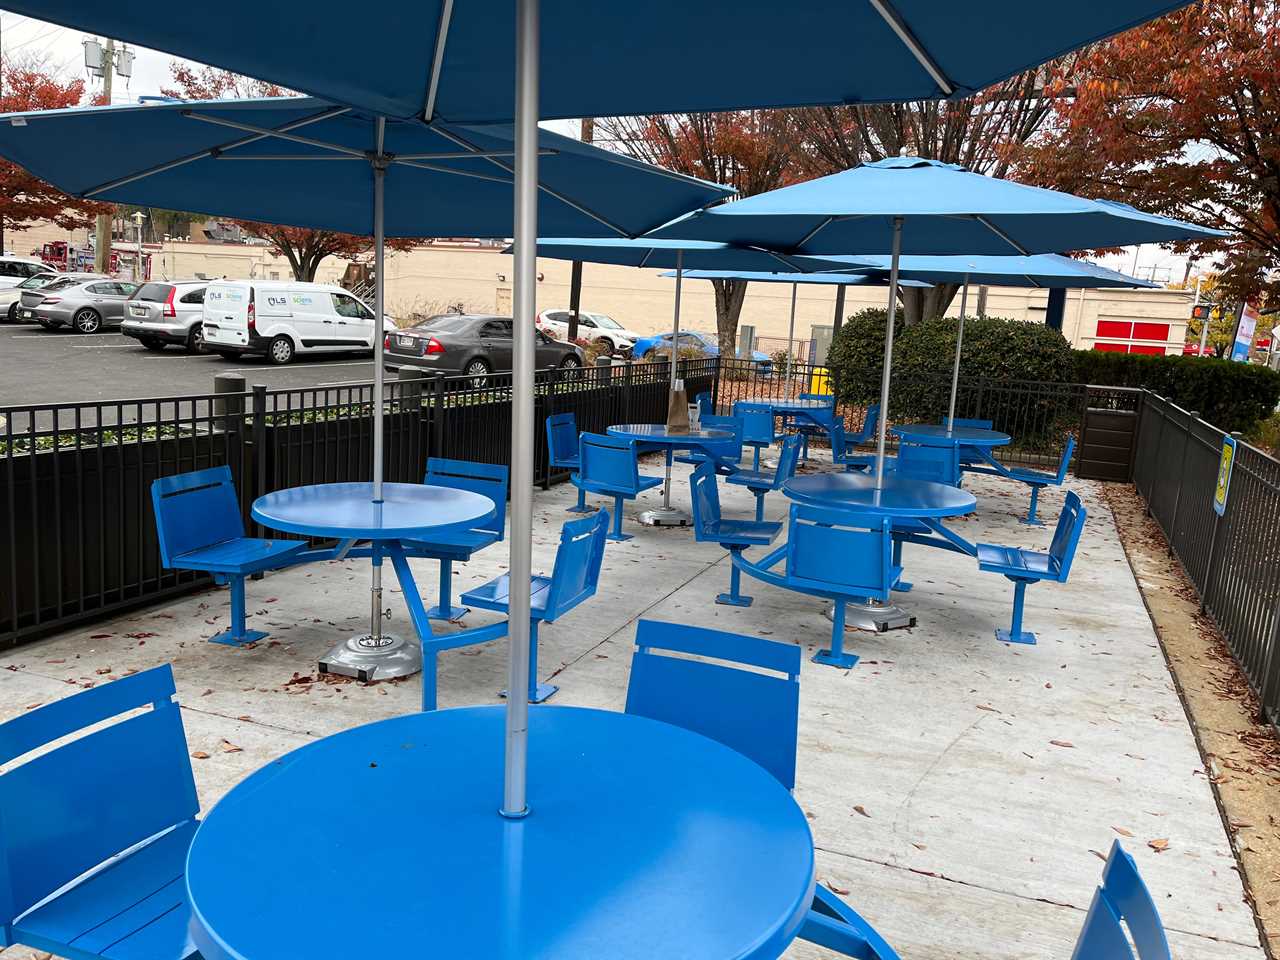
102,346
45,336
305,366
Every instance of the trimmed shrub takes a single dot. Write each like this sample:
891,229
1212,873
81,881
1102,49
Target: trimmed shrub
1230,395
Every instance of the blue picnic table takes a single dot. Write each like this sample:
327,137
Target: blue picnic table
643,840
660,435
932,451
348,513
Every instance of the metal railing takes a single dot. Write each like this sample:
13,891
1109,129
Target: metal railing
1232,560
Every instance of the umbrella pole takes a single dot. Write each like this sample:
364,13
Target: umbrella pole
882,427
379,288
675,322
955,370
514,803
791,334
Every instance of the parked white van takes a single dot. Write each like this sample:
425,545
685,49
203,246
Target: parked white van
281,318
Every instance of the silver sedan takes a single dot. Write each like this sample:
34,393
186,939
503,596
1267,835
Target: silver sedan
86,306
11,296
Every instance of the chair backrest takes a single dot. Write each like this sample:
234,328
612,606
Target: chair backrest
1066,536
487,479
578,558
705,406
562,439
968,422
827,398
68,810
869,423
840,552
839,440
755,713
1065,463
195,510
757,421
938,464
1122,901
609,461
729,449
788,460
705,496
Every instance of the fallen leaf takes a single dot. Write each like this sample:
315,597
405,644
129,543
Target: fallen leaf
1159,846
32,706
1062,743
100,636
918,846
101,671
1099,855
1122,831
228,747
841,891
862,810
200,755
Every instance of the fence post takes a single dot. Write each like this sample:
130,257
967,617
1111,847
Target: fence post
259,445
1266,682
1192,417
435,446
715,386
228,419
1151,483
626,393
1209,578
548,411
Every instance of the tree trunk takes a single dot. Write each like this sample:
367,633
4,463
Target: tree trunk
927,303
729,297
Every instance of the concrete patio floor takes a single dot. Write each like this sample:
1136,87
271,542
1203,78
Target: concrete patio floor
962,792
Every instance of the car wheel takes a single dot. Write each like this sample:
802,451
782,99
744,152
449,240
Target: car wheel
87,321
152,344
478,371
195,339
604,345
571,366
12,314
280,351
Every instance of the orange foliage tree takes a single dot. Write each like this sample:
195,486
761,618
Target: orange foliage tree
24,199
305,249
1181,117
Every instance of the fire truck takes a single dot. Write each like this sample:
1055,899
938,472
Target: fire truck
67,257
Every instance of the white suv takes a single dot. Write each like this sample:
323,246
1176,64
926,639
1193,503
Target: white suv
13,270
163,312
591,326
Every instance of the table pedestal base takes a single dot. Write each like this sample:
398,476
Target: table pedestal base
366,659
873,617
665,517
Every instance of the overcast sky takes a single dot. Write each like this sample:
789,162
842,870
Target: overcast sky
61,49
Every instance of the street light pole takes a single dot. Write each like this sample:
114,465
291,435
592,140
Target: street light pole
102,228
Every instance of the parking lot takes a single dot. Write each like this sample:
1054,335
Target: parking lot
56,366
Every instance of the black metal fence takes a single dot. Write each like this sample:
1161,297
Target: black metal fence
1233,560
77,532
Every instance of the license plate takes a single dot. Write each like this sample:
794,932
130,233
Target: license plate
27,314
405,341
137,310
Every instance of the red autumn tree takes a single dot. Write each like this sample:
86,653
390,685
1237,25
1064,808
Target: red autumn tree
752,151
1181,117
25,200
305,249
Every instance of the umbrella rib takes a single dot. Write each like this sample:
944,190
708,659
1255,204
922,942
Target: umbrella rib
813,233
278,133
210,152
479,154
645,259
437,60
466,145
1002,235
284,156
437,168
913,44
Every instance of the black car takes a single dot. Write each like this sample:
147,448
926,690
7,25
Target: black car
474,344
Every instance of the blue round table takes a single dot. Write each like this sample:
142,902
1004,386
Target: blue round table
897,496
348,513
657,434
643,841
937,435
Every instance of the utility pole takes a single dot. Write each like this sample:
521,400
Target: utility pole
102,233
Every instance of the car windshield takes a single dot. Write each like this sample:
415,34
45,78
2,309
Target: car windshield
447,323
36,282
607,322
63,282
153,292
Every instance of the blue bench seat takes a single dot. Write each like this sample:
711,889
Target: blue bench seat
608,466
734,535
760,482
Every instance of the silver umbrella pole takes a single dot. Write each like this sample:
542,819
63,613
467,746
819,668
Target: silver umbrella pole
955,370
882,427
667,515
514,802
791,334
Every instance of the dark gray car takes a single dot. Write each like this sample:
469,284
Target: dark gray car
84,305
474,344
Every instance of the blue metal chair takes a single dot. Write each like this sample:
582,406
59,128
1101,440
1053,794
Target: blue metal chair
200,527
1037,481
706,407
487,479
757,426
562,448
752,712
936,464
1028,566
573,579
760,482
726,454
608,465
848,443
1122,902
94,833
814,424
734,535
970,455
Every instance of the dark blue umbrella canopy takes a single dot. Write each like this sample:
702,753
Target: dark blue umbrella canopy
454,58
874,278
313,169
1045,270
945,210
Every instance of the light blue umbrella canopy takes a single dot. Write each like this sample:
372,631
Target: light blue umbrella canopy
669,254
454,58
873,278
307,163
1045,270
944,208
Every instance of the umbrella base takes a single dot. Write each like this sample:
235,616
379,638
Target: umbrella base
874,617
367,658
665,517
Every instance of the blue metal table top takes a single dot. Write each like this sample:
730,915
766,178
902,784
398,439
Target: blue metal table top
800,406
936,435
347,511
644,840
898,497
658,433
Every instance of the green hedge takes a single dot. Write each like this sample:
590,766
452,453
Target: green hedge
1230,395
